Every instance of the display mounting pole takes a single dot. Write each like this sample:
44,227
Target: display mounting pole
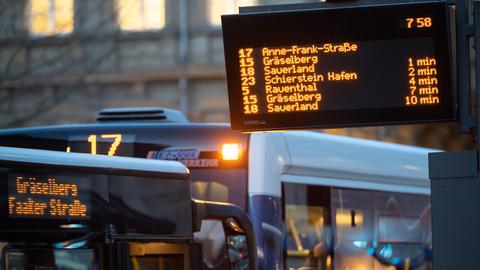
476,20
464,31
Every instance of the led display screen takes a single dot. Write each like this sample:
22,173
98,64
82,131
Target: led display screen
58,198
109,144
338,67
48,196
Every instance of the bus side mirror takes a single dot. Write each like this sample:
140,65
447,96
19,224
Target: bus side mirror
239,233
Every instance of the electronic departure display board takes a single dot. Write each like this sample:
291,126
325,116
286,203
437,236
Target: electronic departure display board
48,196
338,67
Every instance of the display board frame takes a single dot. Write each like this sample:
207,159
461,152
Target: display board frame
359,24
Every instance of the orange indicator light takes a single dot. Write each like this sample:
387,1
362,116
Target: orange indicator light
230,151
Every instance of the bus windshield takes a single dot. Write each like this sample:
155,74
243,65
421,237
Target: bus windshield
220,185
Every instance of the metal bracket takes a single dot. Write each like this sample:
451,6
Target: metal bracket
464,32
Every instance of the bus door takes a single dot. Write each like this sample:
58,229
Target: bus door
77,211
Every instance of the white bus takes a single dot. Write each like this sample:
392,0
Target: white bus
316,201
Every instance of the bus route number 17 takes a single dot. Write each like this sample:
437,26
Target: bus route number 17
115,139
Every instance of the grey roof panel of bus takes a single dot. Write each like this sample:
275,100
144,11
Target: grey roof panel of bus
374,162
49,158
324,159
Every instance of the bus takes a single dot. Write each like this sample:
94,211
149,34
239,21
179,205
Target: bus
316,201
72,211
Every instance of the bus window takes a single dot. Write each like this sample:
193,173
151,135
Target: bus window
50,259
381,230
334,228
220,185
2,245
209,191
308,227
353,224
144,256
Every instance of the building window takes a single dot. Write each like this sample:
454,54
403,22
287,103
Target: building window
141,15
217,8
51,17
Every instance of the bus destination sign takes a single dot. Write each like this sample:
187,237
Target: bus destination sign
48,197
338,67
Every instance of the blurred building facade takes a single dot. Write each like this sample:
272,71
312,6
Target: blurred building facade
61,61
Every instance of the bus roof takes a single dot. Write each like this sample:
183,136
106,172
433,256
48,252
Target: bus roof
116,165
324,159
135,125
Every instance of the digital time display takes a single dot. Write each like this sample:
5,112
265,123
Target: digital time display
48,196
338,67
420,22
